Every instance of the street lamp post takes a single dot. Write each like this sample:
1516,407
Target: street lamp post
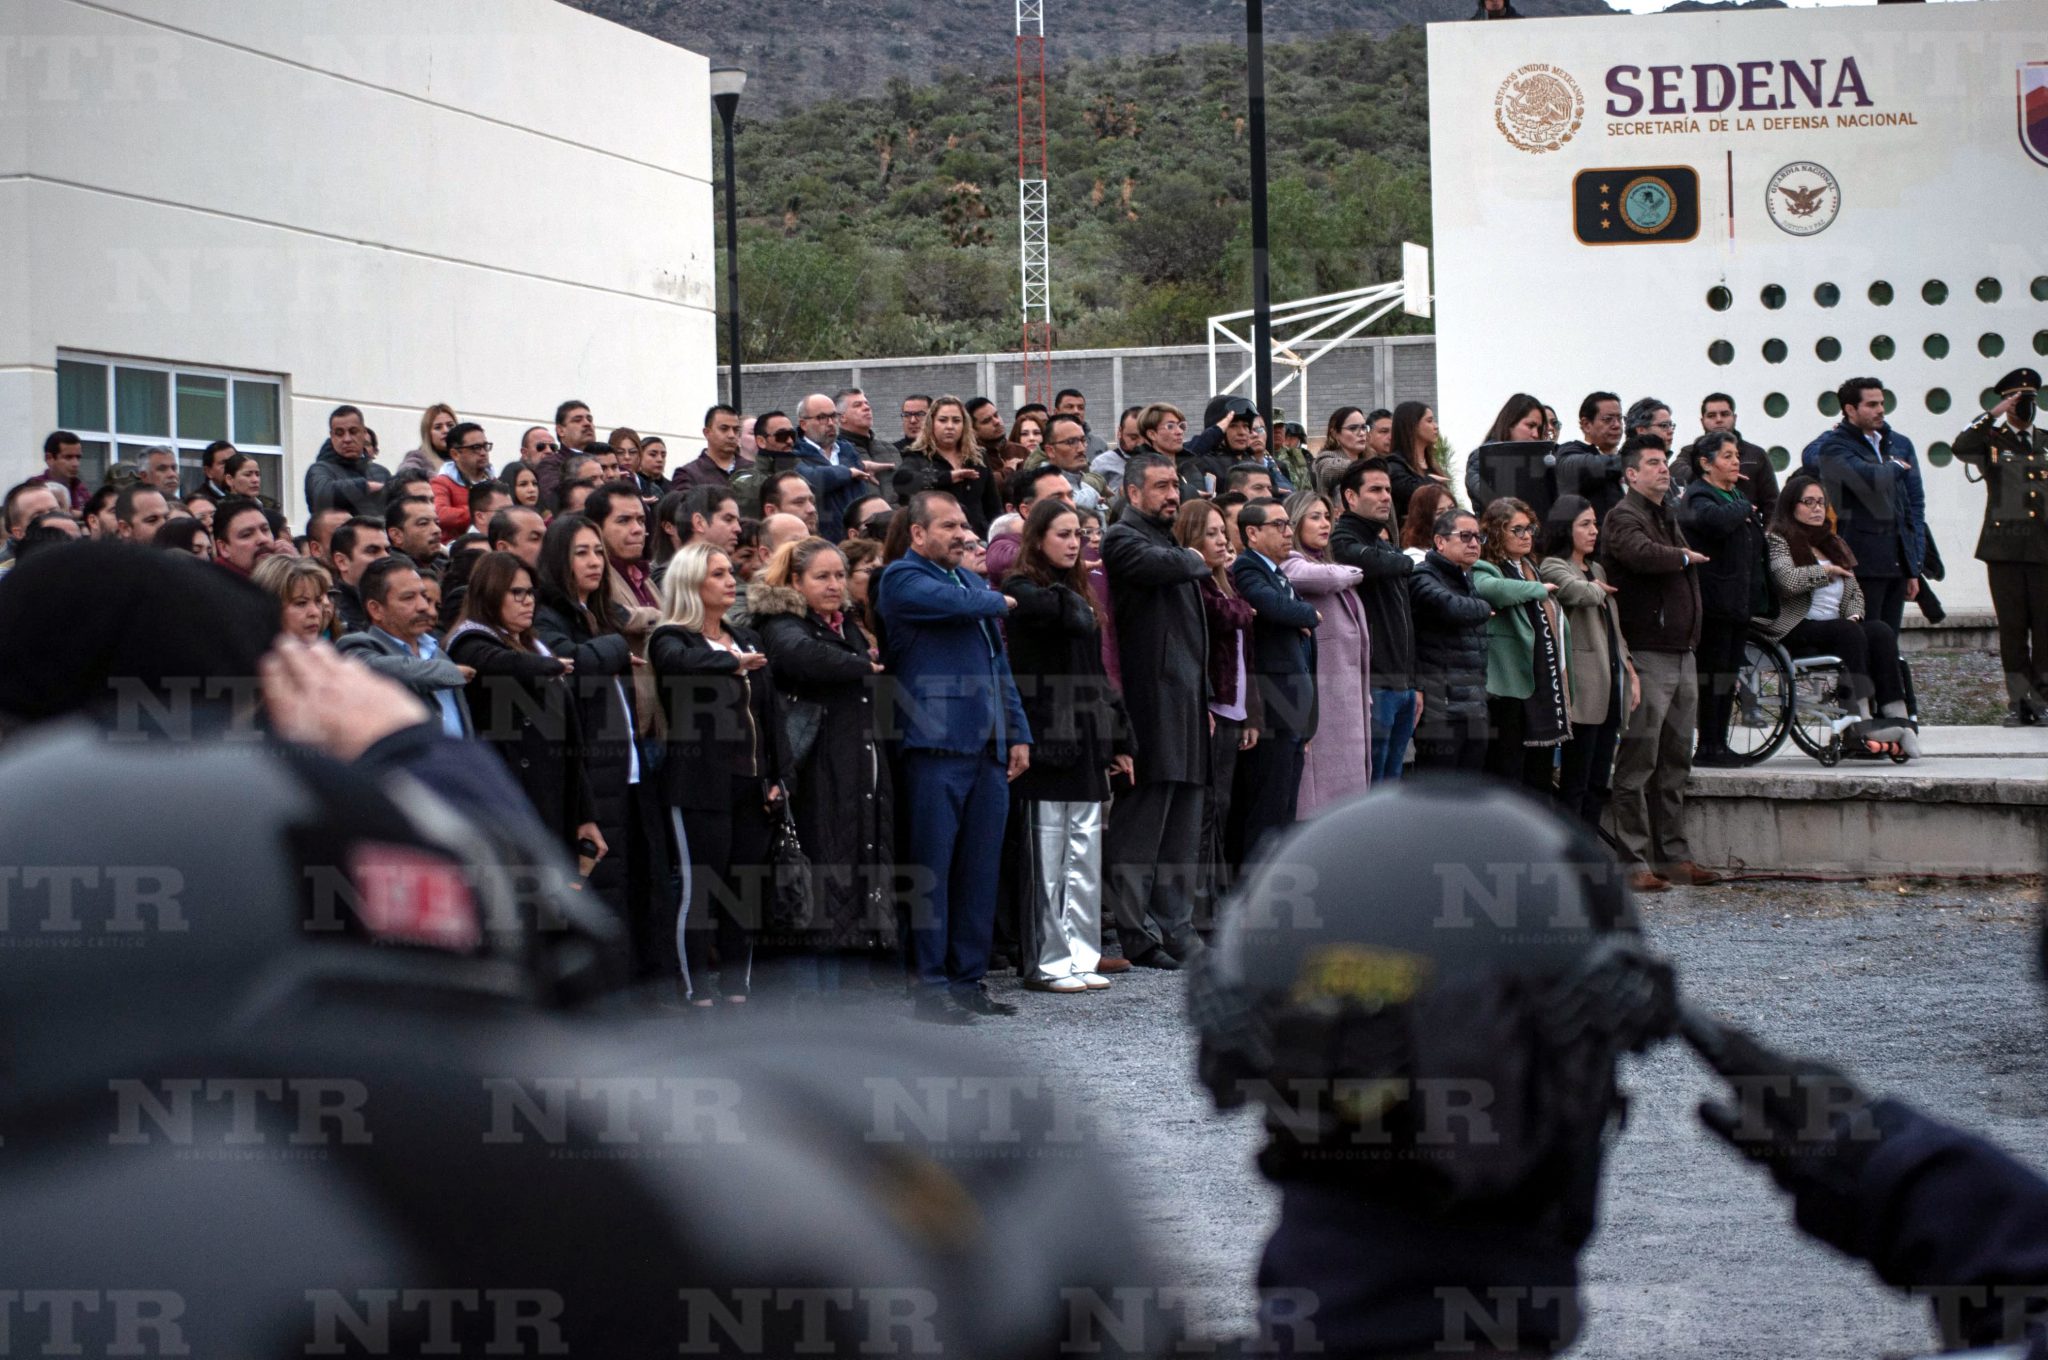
1262,301
726,84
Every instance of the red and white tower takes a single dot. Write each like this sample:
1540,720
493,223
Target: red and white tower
1033,231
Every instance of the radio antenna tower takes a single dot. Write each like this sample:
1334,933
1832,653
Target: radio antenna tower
1033,232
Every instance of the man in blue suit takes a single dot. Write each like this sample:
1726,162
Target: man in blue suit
1283,662
833,466
1872,478
964,738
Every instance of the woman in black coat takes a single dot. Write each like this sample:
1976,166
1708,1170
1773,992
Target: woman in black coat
1722,523
1450,648
840,795
725,764
1080,736
521,705
576,620
946,458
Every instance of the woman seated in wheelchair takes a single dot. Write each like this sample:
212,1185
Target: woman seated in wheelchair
1820,613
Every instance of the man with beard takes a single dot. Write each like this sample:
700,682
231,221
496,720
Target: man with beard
1155,823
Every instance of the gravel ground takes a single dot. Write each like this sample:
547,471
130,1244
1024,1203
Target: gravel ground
1923,990
1958,688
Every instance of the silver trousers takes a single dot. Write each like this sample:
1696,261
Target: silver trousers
1064,916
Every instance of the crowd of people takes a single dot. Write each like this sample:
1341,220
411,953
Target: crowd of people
819,709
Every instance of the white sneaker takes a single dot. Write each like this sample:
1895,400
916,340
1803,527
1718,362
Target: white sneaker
1066,986
1095,982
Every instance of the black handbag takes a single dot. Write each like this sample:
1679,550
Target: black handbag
789,905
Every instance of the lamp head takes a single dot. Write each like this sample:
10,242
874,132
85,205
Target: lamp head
726,84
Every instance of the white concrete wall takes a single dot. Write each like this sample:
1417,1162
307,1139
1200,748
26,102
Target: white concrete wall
493,203
1523,306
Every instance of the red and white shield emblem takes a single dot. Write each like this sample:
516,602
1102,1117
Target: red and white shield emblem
2033,111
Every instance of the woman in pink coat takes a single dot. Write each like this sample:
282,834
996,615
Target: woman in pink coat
1338,762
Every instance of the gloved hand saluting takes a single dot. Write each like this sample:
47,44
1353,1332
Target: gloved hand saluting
1807,1122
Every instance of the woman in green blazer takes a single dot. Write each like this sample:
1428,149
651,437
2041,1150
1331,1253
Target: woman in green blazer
1527,704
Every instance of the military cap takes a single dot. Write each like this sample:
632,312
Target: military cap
2019,380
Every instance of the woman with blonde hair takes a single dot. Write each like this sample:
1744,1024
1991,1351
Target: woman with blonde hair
432,454
300,585
724,769
946,457
825,668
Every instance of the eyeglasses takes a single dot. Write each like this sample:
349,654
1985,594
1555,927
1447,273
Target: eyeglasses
475,448
777,436
1464,535
1520,530
1353,429
1069,442
523,594
1275,524
545,448
1820,504
1663,425
1173,424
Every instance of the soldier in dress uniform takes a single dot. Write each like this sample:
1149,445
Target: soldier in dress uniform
2011,453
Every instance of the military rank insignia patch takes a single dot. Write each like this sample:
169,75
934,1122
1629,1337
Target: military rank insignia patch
1636,206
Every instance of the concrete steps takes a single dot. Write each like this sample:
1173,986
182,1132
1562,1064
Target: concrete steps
1975,803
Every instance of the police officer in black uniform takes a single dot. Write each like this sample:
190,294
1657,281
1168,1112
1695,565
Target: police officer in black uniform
2010,453
1427,991
308,1045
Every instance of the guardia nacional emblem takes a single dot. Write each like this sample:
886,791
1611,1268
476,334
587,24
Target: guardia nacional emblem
1539,107
1647,203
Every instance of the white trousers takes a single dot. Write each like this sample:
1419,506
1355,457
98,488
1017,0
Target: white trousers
1063,917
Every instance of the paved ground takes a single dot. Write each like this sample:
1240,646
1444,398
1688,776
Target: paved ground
1927,992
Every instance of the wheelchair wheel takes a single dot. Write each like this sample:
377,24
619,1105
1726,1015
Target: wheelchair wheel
1763,708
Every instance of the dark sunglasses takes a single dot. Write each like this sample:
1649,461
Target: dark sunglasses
778,436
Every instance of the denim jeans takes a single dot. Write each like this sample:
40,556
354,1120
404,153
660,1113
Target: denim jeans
1393,725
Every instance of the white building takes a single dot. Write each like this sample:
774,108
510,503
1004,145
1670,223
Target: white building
222,218
1797,197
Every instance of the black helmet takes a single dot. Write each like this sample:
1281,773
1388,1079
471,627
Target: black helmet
1427,990
358,1180
166,896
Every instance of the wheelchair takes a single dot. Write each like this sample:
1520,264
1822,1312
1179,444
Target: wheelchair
1778,695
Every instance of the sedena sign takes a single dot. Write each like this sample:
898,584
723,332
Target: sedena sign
1760,202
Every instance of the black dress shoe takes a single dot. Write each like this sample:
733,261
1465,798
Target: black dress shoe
1156,958
981,1003
941,1009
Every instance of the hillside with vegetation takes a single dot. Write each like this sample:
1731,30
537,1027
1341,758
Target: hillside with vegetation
887,224
804,50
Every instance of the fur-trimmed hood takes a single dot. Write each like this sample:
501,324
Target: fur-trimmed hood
765,601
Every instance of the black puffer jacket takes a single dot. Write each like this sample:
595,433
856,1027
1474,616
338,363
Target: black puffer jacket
1450,646
1363,543
602,686
1727,528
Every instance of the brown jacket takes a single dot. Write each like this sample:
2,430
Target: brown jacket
1644,554
636,621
